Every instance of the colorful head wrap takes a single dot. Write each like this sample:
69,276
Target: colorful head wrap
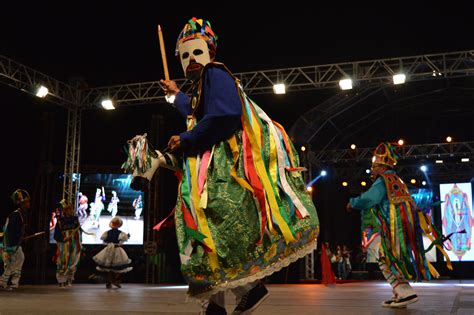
197,28
385,155
19,196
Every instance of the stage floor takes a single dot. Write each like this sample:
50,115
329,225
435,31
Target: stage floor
436,297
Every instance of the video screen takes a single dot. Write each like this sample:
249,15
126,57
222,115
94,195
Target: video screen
370,227
103,196
457,219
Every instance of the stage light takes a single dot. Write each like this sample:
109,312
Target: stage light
170,99
413,181
279,88
363,184
449,139
309,188
42,91
464,160
303,148
401,142
345,184
353,146
423,168
323,173
108,104
439,161
399,78
345,84
367,171
423,183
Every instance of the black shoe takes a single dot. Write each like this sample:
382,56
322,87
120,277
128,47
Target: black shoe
251,300
108,286
214,309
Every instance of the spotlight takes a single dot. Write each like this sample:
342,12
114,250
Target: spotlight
423,183
279,88
367,171
363,184
464,160
353,146
449,139
423,168
413,181
345,84
401,142
309,188
439,161
107,104
303,148
399,78
345,184
323,173
42,91
170,99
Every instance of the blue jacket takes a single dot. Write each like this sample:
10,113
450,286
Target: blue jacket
220,113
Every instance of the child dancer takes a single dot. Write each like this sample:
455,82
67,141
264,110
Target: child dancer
13,233
113,259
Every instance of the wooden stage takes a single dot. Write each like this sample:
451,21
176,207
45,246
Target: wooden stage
436,297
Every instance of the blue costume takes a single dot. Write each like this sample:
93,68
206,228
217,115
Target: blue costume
219,119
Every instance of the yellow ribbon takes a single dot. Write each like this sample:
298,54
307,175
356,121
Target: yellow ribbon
428,232
201,216
273,166
255,142
392,228
235,153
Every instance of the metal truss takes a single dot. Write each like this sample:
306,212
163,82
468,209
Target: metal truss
28,80
71,174
369,73
459,172
352,164
405,152
372,72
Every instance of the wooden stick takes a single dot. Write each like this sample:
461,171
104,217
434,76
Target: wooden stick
163,53
34,235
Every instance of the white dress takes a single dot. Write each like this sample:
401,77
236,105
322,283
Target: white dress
113,257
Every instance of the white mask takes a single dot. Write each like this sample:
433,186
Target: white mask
196,50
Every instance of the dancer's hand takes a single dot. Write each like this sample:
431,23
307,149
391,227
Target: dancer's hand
348,207
174,143
170,87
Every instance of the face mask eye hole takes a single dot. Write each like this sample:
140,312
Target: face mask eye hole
185,55
197,52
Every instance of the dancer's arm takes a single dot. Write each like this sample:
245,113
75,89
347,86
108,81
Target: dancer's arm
222,112
104,236
371,197
181,101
